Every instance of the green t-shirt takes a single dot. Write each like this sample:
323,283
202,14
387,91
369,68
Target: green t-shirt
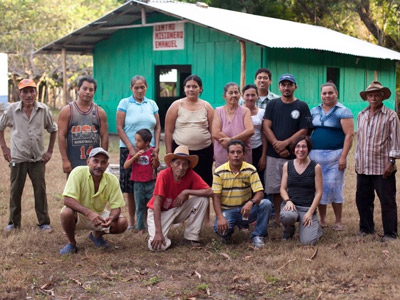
80,186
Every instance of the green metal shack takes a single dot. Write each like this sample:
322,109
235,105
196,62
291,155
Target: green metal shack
167,40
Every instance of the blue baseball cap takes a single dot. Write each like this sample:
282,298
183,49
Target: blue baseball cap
288,77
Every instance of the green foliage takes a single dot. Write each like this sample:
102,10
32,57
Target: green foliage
202,287
29,24
152,281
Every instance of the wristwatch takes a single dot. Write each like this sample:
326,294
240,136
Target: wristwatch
254,202
392,161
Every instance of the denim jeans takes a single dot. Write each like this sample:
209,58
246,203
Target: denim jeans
259,213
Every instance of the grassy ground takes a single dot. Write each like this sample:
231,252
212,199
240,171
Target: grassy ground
341,266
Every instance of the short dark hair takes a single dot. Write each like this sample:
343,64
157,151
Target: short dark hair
237,142
195,78
249,86
228,85
145,134
330,83
263,70
88,79
299,139
136,78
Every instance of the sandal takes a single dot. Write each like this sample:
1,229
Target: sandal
68,249
337,227
99,241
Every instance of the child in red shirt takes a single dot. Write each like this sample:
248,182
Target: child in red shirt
144,170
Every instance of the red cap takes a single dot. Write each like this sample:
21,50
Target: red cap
26,83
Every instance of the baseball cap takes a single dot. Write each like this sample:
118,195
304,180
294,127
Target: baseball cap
98,150
288,77
26,83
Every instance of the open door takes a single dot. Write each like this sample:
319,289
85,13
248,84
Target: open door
169,86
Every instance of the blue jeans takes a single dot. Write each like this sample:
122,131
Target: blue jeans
259,213
143,191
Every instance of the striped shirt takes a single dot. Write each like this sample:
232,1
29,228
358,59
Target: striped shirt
236,189
377,140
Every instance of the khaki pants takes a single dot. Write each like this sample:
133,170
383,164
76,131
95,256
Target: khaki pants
36,172
193,210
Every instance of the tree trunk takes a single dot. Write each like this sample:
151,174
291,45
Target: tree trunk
362,9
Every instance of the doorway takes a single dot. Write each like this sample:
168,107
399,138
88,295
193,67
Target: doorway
169,86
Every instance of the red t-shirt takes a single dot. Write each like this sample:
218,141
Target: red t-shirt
142,168
169,189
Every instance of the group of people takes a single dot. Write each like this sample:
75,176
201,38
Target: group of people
273,157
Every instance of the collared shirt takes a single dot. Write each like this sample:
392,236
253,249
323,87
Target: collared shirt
80,186
236,189
262,103
377,140
138,115
27,138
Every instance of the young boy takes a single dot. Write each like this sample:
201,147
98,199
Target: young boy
144,166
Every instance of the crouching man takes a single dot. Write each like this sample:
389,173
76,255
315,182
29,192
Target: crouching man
171,203
238,197
88,190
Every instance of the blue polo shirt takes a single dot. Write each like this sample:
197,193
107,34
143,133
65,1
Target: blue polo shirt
138,116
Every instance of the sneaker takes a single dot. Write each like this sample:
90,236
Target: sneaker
258,241
46,228
99,241
130,227
68,249
387,238
10,227
192,243
362,233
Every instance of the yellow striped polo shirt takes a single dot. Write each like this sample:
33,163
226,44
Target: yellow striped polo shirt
236,189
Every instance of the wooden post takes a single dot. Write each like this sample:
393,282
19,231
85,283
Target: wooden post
243,64
64,68
375,75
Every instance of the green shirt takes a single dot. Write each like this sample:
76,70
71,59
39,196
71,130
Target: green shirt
80,186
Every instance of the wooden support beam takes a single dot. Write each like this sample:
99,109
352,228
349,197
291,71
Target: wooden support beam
243,64
64,68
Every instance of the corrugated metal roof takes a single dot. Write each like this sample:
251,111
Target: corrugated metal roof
264,31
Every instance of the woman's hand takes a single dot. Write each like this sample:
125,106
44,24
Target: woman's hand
289,206
307,219
342,163
262,163
224,141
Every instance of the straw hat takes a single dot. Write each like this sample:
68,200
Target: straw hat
181,152
376,86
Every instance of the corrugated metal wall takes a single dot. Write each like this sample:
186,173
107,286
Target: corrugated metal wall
215,57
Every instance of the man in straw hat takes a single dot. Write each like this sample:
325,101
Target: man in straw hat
171,204
28,156
377,148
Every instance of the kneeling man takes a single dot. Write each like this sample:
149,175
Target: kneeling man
171,203
238,197
88,190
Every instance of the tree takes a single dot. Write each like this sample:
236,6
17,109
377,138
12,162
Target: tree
29,24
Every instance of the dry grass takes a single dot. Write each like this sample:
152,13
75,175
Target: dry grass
341,266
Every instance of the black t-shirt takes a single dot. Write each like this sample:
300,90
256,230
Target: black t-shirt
287,119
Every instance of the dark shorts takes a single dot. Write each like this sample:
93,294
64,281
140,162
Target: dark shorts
124,174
